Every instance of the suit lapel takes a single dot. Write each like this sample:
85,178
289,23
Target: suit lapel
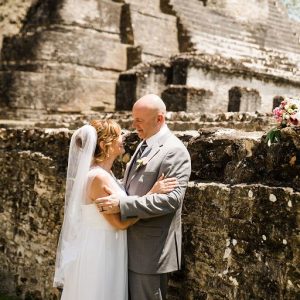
130,173
128,169
134,171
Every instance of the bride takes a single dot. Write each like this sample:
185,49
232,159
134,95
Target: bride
91,261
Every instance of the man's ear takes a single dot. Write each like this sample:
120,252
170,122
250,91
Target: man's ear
160,118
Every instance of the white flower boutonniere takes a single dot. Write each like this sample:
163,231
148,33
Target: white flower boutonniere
141,162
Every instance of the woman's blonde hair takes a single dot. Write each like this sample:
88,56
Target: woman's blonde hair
107,132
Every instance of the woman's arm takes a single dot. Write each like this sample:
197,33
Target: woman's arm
163,185
98,188
101,184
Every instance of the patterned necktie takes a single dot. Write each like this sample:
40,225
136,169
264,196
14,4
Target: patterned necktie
141,150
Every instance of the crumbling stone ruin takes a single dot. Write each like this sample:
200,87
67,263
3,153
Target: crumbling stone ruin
68,55
220,66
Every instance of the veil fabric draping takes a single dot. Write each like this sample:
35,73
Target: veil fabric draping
81,153
91,260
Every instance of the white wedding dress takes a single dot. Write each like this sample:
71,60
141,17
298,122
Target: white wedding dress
99,271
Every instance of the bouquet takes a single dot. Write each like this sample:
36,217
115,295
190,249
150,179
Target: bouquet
286,114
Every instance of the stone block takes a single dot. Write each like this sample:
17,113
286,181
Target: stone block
61,88
76,46
100,15
238,256
183,98
141,80
148,5
156,34
214,149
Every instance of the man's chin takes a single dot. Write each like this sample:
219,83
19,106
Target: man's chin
140,135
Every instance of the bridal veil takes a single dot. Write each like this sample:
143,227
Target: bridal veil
81,153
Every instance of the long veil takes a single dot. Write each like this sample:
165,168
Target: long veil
81,152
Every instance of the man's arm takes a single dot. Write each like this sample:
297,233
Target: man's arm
176,164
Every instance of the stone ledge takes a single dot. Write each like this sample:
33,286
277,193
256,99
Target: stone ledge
225,155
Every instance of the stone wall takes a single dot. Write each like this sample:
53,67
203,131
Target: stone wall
240,215
67,57
202,82
155,32
177,121
12,14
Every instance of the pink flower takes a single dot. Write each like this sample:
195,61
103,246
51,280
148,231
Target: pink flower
277,112
283,103
295,118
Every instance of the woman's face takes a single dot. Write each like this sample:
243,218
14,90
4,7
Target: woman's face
117,147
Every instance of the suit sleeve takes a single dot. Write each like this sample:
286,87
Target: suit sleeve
177,164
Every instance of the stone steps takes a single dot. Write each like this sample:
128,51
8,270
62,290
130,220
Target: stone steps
153,31
210,20
238,47
237,32
177,121
61,45
228,32
202,21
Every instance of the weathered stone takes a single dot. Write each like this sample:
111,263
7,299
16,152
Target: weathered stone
154,31
101,15
67,55
214,149
237,157
223,79
225,260
239,241
203,71
61,88
183,98
61,45
12,15
141,80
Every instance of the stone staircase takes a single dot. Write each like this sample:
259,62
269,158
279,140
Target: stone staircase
68,57
271,42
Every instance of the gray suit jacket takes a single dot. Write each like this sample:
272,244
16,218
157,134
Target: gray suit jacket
154,242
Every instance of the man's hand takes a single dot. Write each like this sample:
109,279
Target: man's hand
108,204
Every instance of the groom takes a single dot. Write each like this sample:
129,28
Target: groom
154,242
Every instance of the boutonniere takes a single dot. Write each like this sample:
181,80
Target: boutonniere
141,162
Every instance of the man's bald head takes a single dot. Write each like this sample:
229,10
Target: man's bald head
148,115
151,102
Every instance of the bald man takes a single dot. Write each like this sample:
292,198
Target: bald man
154,242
